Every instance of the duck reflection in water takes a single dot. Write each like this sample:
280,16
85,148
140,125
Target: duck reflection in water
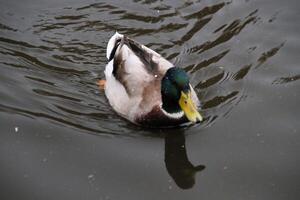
177,163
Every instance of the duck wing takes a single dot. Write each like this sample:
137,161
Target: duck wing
135,66
133,77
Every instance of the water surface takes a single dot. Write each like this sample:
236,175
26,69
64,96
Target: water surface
61,140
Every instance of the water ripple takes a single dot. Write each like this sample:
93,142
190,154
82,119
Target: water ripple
61,55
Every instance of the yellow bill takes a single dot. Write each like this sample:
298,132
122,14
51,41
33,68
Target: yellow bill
190,110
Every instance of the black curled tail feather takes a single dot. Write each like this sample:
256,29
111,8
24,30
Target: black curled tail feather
113,52
144,56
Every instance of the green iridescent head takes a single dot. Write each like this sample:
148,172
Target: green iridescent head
176,94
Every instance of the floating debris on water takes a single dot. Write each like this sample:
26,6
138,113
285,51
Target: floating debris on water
91,177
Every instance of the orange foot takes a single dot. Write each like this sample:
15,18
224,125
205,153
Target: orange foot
101,84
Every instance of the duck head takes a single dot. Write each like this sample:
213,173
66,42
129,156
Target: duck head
176,94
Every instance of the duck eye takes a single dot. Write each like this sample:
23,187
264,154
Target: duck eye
185,101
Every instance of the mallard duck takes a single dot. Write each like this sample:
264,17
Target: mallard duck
145,88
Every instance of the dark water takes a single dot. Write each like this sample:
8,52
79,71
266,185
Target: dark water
61,140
